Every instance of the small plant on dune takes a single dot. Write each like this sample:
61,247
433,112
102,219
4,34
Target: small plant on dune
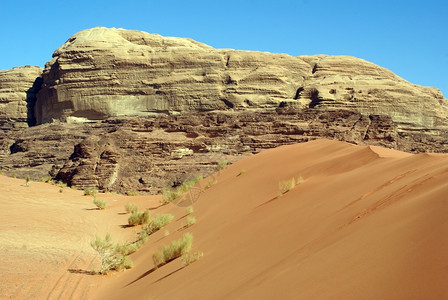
1,172
132,193
189,258
99,203
131,208
27,180
126,249
191,221
286,185
241,172
170,194
46,179
139,218
174,250
61,190
61,184
90,192
155,224
189,210
210,184
110,255
221,165
14,174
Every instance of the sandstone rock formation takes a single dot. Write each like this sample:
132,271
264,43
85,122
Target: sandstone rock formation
18,88
104,72
147,154
128,111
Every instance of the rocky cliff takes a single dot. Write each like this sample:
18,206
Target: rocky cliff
104,72
18,89
130,111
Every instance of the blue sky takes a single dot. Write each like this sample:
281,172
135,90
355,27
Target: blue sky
408,37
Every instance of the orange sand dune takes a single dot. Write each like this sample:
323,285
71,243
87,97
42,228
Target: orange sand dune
365,223
45,239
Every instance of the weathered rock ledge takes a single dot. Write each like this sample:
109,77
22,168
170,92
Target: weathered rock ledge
147,154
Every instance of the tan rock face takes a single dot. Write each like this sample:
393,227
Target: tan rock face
341,82
101,72
18,87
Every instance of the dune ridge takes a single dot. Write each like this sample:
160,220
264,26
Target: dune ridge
363,222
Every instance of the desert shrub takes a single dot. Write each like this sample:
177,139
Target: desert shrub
191,220
99,203
241,172
170,194
27,180
189,258
221,165
90,192
286,185
156,223
174,250
111,257
139,218
132,193
61,184
210,184
61,190
189,210
14,174
126,249
46,179
131,208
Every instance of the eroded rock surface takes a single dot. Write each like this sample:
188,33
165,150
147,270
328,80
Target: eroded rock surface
18,89
129,111
147,154
107,72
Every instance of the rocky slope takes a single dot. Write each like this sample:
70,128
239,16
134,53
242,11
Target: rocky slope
126,110
147,154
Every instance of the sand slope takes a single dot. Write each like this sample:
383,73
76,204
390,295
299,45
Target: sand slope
45,239
366,223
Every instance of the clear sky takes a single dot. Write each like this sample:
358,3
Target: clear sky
408,37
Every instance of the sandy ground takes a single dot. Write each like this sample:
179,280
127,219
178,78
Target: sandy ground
365,223
45,239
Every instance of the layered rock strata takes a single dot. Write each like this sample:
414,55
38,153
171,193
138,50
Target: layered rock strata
107,72
18,89
147,154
